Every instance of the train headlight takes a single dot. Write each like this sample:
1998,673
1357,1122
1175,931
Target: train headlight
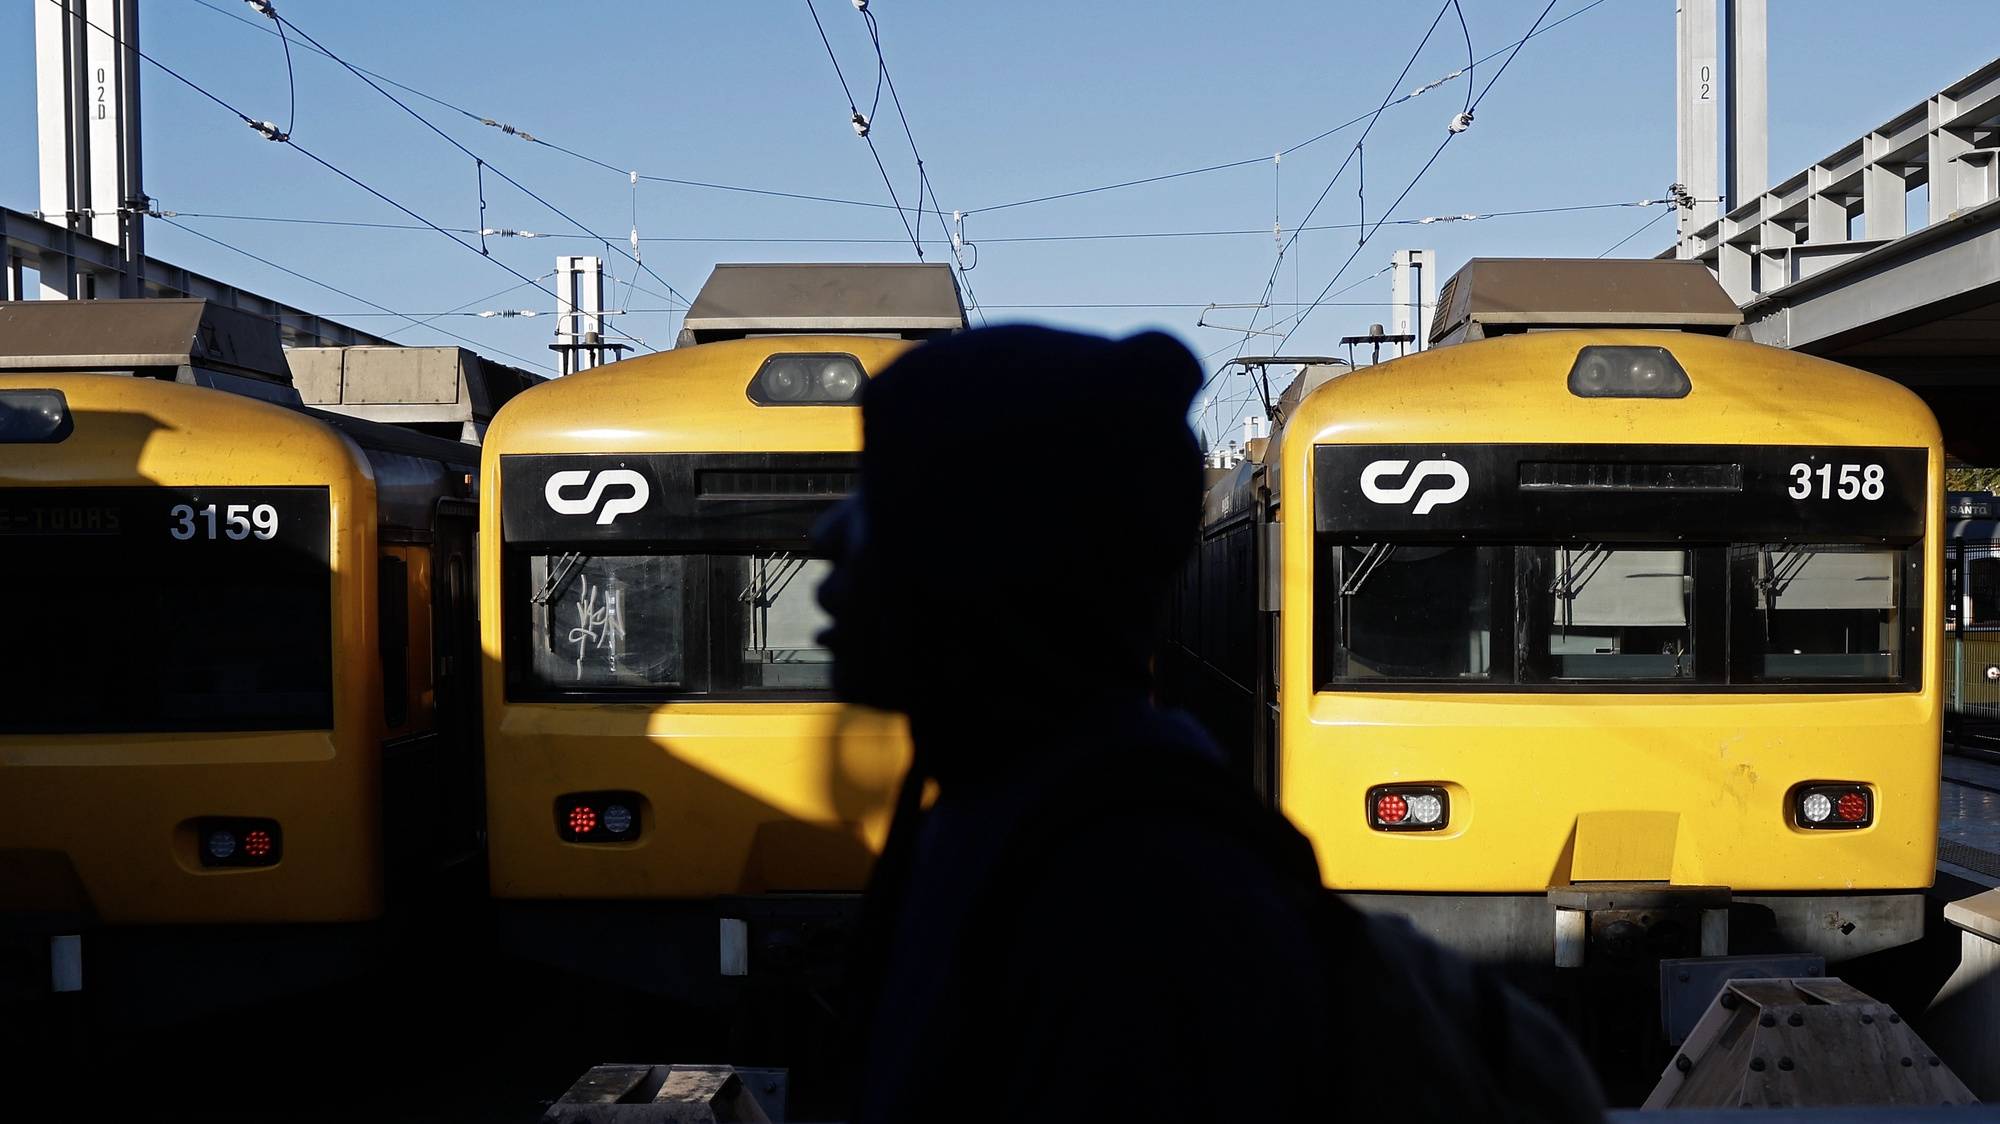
808,380
238,841
598,817
1627,372
34,417
1408,807
1831,806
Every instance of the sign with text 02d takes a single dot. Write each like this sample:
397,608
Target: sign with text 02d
611,500
194,522
1574,492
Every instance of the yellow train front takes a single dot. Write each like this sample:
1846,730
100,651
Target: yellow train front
1596,644
670,786
227,616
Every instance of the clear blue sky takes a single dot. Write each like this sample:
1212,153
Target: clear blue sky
1008,101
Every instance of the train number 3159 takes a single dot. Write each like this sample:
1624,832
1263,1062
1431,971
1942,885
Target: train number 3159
238,521
1854,482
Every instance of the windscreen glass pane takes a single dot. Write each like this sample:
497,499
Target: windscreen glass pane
771,623
1828,612
608,621
1409,611
1618,613
683,624
156,610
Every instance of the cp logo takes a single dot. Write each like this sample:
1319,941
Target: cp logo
560,482
1450,489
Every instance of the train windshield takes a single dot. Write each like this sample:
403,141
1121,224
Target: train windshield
1825,612
669,624
1671,615
160,610
1409,611
1620,613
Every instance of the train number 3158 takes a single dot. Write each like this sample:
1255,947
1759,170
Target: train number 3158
238,521
1854,482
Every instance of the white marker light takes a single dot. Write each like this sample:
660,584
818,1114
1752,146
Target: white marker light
1425,809
617,819
1816,807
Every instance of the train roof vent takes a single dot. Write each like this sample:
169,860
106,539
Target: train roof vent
186,340
444,391
902,300
1499,296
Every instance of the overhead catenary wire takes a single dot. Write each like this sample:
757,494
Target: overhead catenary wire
1353,153
544,142
271,132
1299,318
483,163
1287,151
1450,135
416,320
270,12
1428,220
1642,229
624,168
267,129
924,185
628,311
861,126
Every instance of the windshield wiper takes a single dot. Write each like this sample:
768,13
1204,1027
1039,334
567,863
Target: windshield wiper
769,577
565,567
1577,570
1377,553
1779,575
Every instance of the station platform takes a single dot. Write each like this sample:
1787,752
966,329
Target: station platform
1969,817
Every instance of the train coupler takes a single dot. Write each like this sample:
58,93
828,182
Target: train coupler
1633,923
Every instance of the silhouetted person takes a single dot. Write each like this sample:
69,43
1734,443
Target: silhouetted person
1094,921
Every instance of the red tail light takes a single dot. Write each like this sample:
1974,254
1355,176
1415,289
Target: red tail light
1408,807
599,817
1391,808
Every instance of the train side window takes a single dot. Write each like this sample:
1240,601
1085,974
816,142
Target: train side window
393,637
1982,592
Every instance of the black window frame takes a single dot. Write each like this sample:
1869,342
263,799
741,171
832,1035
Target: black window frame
718,511
138,521
1724,608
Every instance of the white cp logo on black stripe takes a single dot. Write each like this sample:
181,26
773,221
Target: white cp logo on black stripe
1451,486
637,493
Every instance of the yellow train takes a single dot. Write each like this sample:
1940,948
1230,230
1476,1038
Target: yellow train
1572,645
668,777
239,700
